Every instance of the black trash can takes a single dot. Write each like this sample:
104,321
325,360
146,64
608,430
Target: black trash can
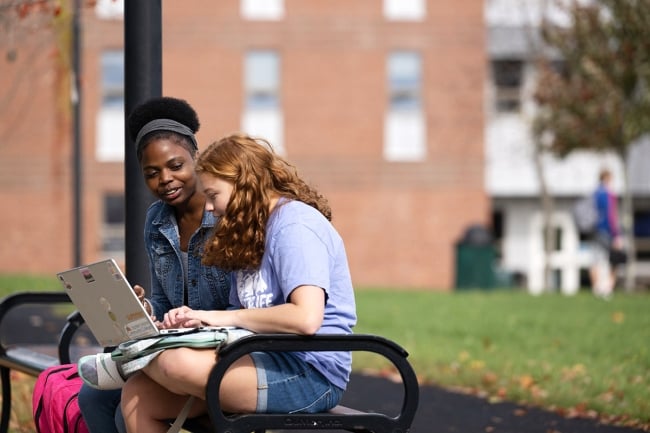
475,259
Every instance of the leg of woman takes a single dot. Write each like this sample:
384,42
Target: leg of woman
288,384
148,407
238,388
161,390
599,269
98,408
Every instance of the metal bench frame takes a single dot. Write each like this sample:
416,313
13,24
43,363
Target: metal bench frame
339,418
26,361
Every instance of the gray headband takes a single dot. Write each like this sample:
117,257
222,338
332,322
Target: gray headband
165,125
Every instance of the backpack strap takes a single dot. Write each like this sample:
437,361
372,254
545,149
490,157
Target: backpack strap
180,420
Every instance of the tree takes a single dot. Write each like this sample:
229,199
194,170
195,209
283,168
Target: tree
33,31
598,96
44,19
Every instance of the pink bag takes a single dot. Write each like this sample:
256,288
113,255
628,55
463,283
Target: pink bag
54,402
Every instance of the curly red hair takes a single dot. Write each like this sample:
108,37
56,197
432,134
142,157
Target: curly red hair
258,175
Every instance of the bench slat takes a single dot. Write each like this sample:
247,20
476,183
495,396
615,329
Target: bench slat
343,410
27,360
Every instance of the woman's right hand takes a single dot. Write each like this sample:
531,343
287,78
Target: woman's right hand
183,317
140,292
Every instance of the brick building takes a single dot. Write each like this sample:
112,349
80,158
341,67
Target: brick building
379,103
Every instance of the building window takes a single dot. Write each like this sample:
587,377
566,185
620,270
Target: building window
262,79
405,10
262,10
404,134
109,9
262,115
112,78
498,228
110,117
507,76
404,81
642,234
113,225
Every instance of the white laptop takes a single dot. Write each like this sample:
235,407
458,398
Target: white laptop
108,304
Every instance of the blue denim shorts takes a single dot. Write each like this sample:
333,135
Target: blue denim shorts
287,384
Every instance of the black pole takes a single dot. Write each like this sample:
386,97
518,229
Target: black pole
143,80
77,178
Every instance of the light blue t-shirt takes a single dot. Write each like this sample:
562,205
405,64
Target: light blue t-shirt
303,248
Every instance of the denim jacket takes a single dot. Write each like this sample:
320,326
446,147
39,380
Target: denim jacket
208,286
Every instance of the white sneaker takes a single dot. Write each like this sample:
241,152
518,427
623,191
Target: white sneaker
100,371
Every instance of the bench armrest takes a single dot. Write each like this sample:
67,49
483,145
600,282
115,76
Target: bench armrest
73,321
290,342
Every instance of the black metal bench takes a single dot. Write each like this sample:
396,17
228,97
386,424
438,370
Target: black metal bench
32,361
339,418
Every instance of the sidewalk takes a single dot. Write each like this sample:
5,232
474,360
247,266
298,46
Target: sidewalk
442,411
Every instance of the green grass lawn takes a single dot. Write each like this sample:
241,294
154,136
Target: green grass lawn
10,283
577,354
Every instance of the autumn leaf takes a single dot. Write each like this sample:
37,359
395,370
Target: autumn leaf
489,378
577,370
477,365
526,381
618,317
520,412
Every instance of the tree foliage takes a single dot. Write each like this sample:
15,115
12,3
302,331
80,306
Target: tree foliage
597,96
36,36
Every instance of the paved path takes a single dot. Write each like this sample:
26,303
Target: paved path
442,411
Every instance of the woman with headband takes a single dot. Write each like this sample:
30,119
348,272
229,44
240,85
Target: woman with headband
176,228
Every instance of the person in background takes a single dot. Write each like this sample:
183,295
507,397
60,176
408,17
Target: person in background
176,228
289,274
607,239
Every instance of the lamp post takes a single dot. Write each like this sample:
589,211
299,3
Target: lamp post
143,80
77,178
